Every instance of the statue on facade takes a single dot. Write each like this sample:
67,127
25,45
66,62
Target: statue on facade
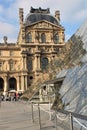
5,39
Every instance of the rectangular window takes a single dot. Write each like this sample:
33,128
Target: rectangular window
11,66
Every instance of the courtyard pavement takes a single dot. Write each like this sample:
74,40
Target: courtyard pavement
18,116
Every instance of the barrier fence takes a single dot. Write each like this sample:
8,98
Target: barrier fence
59,115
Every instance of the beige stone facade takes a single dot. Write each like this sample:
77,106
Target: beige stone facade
39,40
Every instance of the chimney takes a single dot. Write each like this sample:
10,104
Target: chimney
21,17
57,15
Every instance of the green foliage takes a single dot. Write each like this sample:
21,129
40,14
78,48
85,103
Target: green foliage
24,98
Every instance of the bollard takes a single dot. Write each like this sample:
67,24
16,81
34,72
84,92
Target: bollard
0,101
39,116
56,120
71,122
32,112
50,118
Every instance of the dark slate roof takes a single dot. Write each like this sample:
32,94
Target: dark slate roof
36,17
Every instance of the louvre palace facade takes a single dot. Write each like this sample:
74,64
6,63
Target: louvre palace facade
39,40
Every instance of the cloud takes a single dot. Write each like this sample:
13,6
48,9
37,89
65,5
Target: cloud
68,8
7,30
1,8
80,15
72,12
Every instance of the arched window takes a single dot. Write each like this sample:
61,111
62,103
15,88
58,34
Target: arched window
56,38
44,63
43,38
29,37
12,83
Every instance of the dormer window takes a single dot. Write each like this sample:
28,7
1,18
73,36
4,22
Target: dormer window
29,38
43,38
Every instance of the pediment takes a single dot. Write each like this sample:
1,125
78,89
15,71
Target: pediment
45,25
42,24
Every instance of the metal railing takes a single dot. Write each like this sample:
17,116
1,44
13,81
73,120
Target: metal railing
69,118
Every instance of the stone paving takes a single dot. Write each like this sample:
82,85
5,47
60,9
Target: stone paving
17,116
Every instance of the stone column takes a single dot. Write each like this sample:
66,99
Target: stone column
26,82
18,84
35,63
26,62
22,82
23,64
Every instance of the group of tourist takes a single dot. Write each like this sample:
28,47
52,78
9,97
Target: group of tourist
10,96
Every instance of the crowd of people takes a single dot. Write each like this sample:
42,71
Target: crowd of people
10,96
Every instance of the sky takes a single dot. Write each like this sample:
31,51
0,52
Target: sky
73,13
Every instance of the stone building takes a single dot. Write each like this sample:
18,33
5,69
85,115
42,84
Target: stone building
39,40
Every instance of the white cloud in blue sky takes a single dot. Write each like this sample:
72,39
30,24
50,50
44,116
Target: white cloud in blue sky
73,14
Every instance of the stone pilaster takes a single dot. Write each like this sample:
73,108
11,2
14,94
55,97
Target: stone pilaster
38,62
35,62
25,82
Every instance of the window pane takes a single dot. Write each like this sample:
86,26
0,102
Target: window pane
44,63
29,37
30,65
56,38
